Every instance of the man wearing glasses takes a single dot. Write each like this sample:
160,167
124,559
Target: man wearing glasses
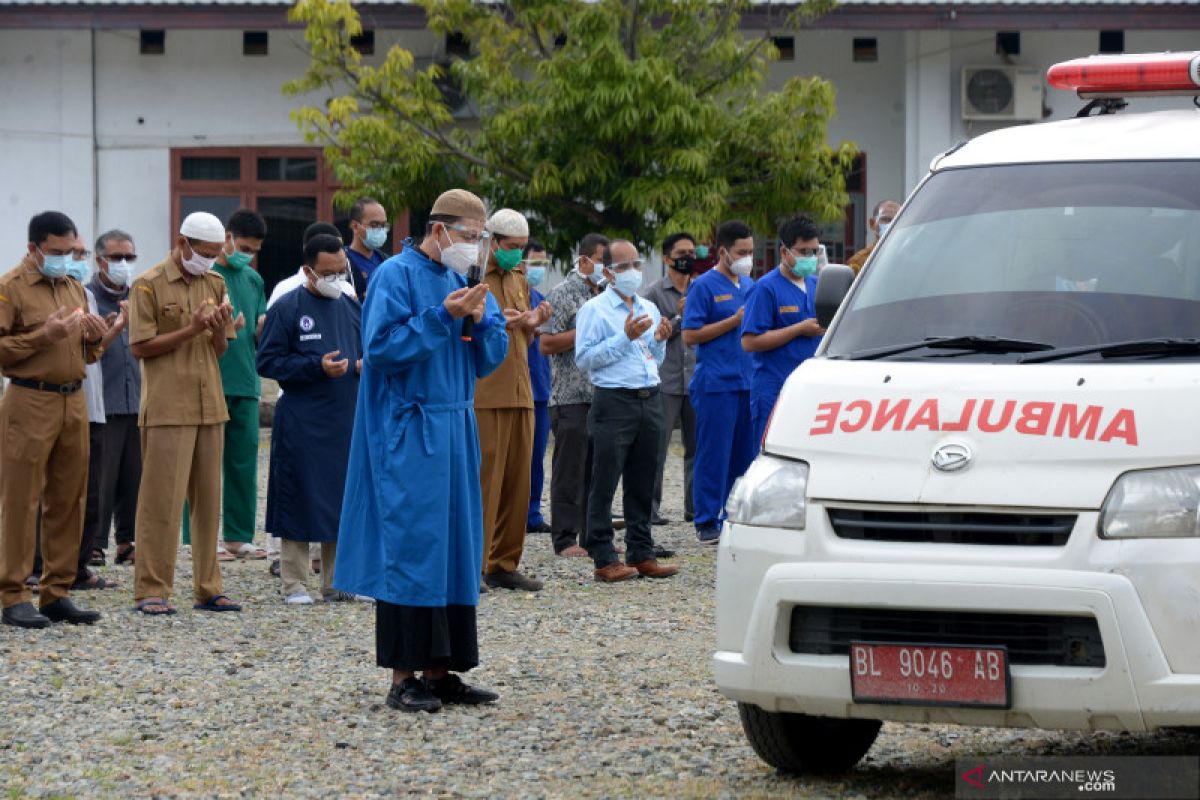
780,329
121,462
369,227
621,341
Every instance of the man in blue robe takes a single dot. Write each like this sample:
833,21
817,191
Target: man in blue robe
311,344
411,531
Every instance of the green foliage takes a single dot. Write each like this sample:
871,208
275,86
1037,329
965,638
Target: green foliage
632,117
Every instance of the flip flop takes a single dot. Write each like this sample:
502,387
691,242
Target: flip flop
225,555
212,604
94,582
143,607
248,551
125,556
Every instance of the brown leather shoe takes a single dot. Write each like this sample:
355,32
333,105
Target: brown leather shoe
652,569
611,573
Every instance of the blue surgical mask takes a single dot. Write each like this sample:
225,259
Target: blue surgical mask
883,228
375,237
535,276
804,267
628,282
78,270
55,267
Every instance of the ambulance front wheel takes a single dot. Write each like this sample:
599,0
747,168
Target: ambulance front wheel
799,743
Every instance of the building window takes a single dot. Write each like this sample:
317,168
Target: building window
152,43
1008,43
210,168
287,168
364,43
457,45
785,46
1112,41
866,48
254,43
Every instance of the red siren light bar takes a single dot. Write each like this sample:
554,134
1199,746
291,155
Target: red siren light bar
1126,75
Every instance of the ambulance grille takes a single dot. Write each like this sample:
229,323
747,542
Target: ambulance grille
1053,639
953,527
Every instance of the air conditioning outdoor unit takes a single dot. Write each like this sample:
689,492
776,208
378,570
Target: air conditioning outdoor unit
1004,94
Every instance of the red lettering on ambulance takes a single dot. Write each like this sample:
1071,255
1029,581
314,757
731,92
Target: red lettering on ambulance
1123,426
964,419
889,413
1035,418
826,417
1074,424
864,413
985,412
926,416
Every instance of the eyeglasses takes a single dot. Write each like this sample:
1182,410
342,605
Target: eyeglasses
468,235
81,255
621,266
538,263
130,257
806,252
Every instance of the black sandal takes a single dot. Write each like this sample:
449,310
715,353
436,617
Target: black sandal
124,555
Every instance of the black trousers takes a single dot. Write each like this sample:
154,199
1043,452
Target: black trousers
120,477
677,410
626,427
570,475
415,638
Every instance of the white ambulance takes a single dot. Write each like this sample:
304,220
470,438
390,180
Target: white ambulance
980,502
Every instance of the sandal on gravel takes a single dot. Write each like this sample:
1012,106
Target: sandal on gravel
154,607
248,551
97,559
93,582
225,555
125,555
214,604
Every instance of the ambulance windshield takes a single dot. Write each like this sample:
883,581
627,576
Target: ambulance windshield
1061,255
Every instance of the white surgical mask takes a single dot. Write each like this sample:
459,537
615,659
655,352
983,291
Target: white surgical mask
742,266
120,272
329,286
197,264
459,256
628,282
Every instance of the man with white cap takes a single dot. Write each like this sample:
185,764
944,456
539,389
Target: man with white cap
504,409
181,323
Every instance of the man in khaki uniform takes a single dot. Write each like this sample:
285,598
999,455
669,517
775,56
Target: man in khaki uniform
46,337
181,323
881,219
504,410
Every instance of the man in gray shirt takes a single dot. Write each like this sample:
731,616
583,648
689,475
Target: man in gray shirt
679,253
570,400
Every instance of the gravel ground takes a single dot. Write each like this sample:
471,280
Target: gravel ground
606,692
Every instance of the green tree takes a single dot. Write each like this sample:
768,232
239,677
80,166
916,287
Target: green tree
633,117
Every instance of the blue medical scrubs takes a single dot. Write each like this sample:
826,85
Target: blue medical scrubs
412,518
720,394
539,378
777,302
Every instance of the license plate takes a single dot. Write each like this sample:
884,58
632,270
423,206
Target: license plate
929,675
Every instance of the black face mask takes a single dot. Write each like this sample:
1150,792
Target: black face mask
683,264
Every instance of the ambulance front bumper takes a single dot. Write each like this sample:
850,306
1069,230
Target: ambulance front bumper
1135,689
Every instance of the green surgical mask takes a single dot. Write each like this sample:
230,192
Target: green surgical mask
239,260
508,259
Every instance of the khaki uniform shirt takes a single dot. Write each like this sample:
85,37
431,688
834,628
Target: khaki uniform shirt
857,260
27,298
182,387
509,386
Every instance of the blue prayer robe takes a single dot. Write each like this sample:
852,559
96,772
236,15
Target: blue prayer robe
412,516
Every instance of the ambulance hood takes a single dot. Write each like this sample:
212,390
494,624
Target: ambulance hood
1034,435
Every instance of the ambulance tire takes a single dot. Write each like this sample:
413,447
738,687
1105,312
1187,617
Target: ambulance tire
799,743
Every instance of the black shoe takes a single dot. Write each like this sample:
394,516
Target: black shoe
65,611
512,580
411,695
659,519
24,615
451,689
541,527
688,516
662,552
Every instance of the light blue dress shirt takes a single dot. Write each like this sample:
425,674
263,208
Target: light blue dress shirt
604,351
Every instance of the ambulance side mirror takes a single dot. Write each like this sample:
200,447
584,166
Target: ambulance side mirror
833,284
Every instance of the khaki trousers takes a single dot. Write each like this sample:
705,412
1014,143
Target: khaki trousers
178,462
506,448
295,563
43,461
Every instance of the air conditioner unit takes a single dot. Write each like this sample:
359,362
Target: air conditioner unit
1002,94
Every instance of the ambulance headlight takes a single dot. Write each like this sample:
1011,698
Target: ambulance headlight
1154,503
770,494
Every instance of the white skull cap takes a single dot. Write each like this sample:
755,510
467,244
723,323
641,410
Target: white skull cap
507,222
202,226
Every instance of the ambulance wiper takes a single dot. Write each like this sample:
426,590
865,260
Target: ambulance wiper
1133,347
977,344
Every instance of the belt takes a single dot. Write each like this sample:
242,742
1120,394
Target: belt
42,386
640,394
